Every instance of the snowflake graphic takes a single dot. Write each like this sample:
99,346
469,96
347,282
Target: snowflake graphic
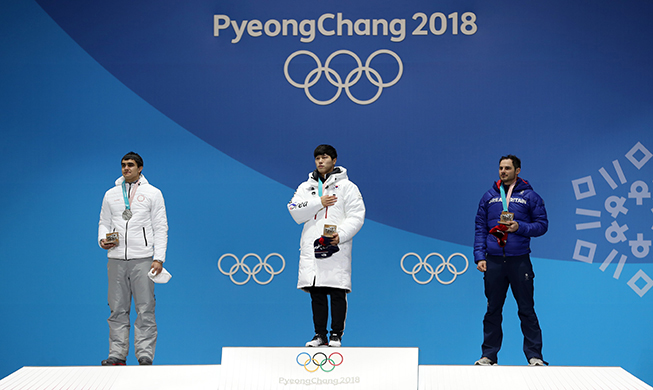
618,233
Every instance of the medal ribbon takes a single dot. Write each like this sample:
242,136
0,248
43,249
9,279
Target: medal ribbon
506,199
319,187
128,200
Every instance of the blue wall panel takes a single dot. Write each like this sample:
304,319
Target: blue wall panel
227,138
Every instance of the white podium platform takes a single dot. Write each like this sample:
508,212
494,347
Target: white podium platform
527,378
319,368
322,368
114,378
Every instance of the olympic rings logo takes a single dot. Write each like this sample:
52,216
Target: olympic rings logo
334,78
251,272
319,364
438,270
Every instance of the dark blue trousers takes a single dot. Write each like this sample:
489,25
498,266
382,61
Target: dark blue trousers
516,272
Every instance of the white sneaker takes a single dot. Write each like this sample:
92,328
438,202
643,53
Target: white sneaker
318,341
535,362
484,362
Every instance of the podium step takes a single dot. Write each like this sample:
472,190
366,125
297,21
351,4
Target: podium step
114,378
527,378
322,368
319,368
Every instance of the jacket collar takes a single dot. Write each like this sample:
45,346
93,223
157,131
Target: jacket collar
142,179
315,175
520,184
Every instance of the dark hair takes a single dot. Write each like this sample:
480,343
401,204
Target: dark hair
133,156
516,162
326,149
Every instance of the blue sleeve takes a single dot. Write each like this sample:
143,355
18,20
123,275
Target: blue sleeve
481,231
539,222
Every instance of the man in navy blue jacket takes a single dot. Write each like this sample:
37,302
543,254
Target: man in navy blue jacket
509,214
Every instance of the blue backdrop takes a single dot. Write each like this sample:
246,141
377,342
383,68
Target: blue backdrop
224,102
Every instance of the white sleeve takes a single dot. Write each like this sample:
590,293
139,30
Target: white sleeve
104,226
354,214
303,206
159,227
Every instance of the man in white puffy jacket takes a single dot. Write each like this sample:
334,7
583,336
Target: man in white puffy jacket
327,198
136,211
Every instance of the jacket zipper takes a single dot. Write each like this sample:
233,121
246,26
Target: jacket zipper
144,236
326,213
126,230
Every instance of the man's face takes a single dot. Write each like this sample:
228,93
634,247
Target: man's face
130,171
325,164
507,171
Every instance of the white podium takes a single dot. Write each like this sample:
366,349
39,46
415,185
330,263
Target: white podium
527,378
322,368
319,368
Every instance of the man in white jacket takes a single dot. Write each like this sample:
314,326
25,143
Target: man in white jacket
135,210
327,198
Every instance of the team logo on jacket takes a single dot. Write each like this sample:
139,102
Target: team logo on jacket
512,200
612,225
292,206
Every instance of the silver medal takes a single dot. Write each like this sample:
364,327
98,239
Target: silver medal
127,214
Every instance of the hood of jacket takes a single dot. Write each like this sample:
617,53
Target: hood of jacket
338,172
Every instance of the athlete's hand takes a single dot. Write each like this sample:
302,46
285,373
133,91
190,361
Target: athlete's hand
512,226
106,245
328,200
156,267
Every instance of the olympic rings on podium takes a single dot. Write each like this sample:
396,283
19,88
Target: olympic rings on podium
319,364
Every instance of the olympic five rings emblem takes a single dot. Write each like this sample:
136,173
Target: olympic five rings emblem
311,361
334,78
251,273
438,270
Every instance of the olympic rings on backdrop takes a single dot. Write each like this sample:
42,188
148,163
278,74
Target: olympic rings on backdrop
319,363
251,273
334,78
438,270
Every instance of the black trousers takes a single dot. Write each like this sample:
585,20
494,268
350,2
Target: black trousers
320,306
517,273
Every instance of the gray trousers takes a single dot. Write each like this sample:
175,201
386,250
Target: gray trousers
127,279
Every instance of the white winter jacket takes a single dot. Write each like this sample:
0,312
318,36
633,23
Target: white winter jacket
146,233
348,214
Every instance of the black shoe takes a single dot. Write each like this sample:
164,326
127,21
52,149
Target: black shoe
335,340
318,341
112,361
145,361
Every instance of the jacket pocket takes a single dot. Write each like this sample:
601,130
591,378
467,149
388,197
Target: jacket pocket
144,236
